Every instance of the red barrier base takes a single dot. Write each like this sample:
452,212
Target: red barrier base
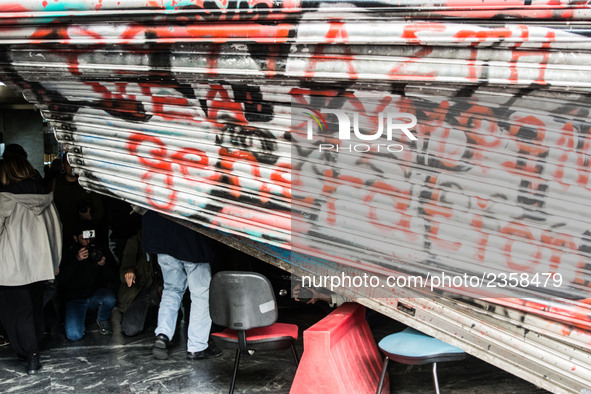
340,356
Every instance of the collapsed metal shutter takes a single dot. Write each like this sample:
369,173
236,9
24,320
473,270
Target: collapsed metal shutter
186,108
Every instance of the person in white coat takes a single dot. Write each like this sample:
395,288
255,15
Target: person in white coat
30,252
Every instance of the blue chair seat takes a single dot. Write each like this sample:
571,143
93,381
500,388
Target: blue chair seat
415,348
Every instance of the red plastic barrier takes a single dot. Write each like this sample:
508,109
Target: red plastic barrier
340,356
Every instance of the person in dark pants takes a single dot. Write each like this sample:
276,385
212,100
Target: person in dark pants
22,317
30,251
87,274
184,257
140,288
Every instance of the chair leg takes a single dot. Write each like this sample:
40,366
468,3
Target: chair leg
435,381
236,362
295,354
382,376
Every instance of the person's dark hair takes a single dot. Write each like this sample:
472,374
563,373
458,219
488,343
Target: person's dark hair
11,150
15,169
57,164
83,225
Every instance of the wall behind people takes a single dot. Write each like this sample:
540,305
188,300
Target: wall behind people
24,127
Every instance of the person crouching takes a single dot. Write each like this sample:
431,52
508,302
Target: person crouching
87,274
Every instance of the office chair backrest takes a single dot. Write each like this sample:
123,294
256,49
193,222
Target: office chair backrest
242,300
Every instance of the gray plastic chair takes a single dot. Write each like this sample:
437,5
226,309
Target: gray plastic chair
244,302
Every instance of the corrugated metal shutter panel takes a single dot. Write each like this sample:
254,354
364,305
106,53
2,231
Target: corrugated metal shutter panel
186,109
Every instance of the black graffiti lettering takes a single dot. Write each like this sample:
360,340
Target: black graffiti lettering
131,110
235,10
261,143
255,108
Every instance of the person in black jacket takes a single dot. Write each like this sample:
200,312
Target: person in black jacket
141,286
75,204
184,256
86,274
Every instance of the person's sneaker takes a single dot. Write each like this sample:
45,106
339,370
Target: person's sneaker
105,327
160,349
3,341
33,364
210,352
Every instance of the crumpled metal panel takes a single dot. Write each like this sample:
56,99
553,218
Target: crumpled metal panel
185,107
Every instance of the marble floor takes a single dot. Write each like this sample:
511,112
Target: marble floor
119,364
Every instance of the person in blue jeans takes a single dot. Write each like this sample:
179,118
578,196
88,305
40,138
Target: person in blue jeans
85,276
184,257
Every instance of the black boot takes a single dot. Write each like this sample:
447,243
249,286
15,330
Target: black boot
160,349
33,365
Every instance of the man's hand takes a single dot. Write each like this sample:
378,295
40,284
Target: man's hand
296,292
130,278
316,295
82,254
101,262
